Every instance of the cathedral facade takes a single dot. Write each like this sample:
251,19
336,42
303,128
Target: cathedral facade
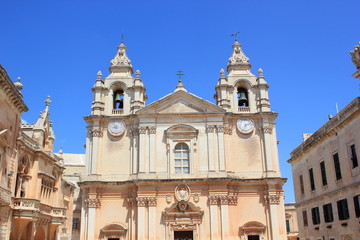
182,167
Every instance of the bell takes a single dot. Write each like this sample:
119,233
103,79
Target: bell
118,98
242,97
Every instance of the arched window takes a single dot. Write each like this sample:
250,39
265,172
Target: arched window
182,159
242,95
119,99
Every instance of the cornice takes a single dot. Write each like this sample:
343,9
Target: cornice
328,129
11,91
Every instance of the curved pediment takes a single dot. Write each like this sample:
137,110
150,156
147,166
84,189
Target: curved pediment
192,210
181,129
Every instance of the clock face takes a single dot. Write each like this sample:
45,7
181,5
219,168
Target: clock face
116,127
245,125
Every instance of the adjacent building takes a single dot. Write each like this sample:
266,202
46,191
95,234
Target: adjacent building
36,203
292,228
181,167
326,176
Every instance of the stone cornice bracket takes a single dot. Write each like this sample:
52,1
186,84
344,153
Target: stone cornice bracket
92,203
272,199
219,128
131,201
355,56
96,133
228,130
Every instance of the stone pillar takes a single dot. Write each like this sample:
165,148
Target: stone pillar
141,218
224,209
267,131
214,223
152,218
91,203
210,138
273,200
96,134
152,150
135,151
142,149
220,134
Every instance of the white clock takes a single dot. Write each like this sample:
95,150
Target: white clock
245,125
116,127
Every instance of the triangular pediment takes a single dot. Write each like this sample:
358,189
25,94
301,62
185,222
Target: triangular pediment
181,102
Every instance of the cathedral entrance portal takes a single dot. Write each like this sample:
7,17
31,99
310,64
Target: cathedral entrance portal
255,237
183,235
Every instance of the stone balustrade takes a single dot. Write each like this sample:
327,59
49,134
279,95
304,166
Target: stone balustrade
117,111
244,109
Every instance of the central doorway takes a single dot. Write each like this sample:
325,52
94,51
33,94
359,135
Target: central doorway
183,235
254,237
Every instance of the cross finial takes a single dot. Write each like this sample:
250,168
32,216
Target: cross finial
180,73
122,37
234,35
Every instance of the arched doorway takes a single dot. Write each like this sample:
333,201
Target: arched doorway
252,231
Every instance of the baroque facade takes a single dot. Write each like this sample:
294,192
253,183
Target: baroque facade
36,203
326,176
181,167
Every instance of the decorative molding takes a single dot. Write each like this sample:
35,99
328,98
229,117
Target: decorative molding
267,130
188,226
228,130
152,130
210,128
219,128
168,198
222,199
146,201
355,56
272,198
142,130
92,202
196,197
96,133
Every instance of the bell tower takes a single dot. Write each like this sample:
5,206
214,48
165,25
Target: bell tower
241,91
119,93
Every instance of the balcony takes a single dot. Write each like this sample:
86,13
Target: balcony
5,197
117,111
244,109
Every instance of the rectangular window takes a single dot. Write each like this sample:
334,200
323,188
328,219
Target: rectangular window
315,215
357,205
328,213
312,181
301,184
305,219
288,226
75,224
353,156
337,166
343,210
323,173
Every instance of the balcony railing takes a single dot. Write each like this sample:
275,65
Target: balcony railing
244,109
117,111
26,204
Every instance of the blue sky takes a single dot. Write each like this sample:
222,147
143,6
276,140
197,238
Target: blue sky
57,47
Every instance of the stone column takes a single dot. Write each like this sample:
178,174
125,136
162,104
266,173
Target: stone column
152,218
210,138
214,223
152,151
220,134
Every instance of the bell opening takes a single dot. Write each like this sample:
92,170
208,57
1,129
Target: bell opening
119,99
242,97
